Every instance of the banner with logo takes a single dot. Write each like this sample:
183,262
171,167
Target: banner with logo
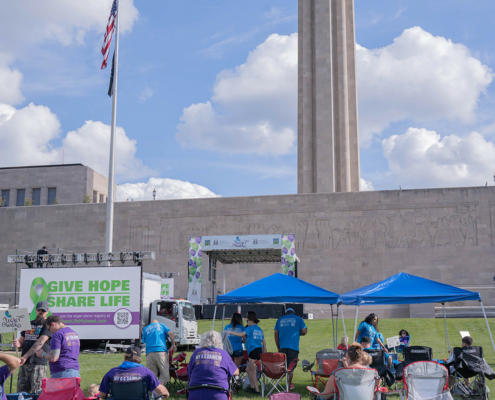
288,254
239,242
14,319
167,288
98,303
195,265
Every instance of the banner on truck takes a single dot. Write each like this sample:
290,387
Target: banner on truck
98,303
167,288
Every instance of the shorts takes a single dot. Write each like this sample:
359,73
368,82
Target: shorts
291,355
238,353
256,353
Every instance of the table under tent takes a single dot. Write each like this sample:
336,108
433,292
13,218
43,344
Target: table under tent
279,288
404,288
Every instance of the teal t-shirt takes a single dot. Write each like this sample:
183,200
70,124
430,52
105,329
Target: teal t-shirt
154,335
235,341
254,338
289,330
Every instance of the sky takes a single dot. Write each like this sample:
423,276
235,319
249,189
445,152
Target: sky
207,93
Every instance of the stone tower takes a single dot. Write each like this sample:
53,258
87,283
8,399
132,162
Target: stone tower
328,138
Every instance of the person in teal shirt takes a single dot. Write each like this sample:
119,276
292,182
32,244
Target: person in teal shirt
256,345
367,328
236,341
288,329
154,336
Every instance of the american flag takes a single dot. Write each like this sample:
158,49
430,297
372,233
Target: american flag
107,40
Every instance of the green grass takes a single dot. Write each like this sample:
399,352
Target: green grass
427,332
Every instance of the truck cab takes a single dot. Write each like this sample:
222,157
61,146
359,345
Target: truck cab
179,316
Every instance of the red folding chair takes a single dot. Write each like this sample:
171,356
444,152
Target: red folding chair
61,389
275,373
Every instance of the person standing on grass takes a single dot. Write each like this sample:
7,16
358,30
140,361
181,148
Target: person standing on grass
154,336
288,330
11,365
236,342
64,349
255,342
33,369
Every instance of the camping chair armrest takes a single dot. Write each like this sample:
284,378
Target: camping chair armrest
292,365
259,366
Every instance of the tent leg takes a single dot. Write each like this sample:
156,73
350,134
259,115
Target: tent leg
337,325
333,328
343,324
488,326
214,316
223,316
446,329
355,324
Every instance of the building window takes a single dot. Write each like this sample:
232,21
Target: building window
36,197
52,195
21,197
6,197
95,196
102,198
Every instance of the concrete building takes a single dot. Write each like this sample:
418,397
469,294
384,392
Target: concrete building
42,184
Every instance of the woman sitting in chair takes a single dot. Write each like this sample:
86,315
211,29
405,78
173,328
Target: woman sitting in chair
212,366
353,359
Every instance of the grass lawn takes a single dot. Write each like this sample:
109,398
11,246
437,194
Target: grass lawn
428,332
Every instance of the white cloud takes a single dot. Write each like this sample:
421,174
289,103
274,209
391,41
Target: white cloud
10,82
420,77
67,22
365,186
421,158
165,189
253,109
90,145
146,93
27,135
253,106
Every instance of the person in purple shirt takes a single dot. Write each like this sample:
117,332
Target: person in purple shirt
6,371
64,349
210,365
131,370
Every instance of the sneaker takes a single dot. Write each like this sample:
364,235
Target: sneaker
251,390
292,387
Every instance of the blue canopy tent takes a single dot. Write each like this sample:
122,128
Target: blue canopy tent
278,288
404,288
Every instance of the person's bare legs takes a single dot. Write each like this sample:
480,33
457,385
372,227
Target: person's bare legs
251,370
237,361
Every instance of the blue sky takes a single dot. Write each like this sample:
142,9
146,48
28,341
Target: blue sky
225,72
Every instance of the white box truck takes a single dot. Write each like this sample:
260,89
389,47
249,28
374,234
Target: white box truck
107,303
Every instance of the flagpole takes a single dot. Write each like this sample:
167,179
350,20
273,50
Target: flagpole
111,169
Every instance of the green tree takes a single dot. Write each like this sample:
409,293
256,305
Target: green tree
86,199
28,202
56,201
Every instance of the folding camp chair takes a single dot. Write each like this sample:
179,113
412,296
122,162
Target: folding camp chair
469,363
177,372
238,382
378,363
274,372
356,383
61,389
425,380
327,361
137,390
213,388
285,396
413,354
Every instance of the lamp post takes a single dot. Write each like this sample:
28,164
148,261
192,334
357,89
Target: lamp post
154,194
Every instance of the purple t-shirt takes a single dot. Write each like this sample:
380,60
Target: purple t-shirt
209,366
135,374
4,374
67,341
